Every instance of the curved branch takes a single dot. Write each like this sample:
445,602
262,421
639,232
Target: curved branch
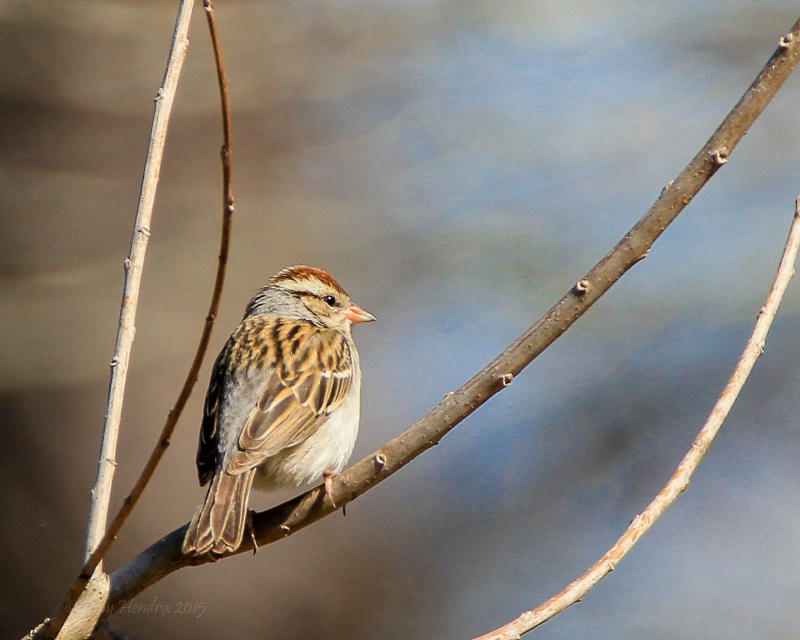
679,481
97,543
165,556
180,44
134,264
226,152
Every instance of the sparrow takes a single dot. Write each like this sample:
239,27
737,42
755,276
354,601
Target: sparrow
283,404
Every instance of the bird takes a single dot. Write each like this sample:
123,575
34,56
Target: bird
283,404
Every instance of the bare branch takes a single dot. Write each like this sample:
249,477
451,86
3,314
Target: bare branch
165,556
679,481
191,377
158,135
134,264
226,152
222,263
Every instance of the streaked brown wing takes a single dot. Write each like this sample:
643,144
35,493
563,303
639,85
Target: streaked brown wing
315,378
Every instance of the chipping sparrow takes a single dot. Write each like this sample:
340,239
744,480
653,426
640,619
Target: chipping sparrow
282,407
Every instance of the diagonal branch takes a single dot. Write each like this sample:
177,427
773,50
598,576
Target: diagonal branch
679,481
165,556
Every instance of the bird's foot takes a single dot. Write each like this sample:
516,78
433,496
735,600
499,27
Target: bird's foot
327,479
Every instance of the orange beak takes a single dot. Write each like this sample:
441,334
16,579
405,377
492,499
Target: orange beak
356,314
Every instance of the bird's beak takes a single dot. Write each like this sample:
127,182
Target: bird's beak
356,314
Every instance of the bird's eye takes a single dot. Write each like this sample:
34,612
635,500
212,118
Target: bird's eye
329,300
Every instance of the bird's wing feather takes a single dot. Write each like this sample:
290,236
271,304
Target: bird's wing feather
305,380
207,447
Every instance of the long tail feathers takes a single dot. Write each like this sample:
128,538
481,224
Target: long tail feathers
218,525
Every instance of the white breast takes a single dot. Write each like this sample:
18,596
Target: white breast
327,449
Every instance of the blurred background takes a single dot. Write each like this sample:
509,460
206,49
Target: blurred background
457,166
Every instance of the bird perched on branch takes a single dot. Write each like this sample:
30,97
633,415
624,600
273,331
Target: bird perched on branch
283,404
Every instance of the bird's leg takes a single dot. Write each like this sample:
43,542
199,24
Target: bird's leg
327,479
248,523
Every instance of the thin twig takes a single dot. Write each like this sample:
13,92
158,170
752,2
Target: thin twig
679,481
97,543
134,264
52,628
165,556
227,146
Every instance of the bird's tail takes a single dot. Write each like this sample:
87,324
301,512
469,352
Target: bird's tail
218,525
